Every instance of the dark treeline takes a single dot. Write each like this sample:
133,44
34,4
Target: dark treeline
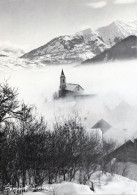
31,152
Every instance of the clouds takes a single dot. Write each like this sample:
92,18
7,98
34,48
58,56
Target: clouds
125,1
32,23
97,5
84,26
101,4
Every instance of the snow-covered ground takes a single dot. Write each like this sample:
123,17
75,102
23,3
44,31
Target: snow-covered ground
116,184
107,184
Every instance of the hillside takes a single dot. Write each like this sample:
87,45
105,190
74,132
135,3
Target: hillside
83,45
69,49
125,49
117,31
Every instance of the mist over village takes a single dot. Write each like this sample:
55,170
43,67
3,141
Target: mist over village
68,97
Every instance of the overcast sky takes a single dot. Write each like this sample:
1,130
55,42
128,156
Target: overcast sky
32,23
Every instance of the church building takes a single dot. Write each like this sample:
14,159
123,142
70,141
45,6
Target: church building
68,89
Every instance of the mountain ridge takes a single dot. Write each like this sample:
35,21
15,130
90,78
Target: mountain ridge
116,31
83,45
125,49
69,48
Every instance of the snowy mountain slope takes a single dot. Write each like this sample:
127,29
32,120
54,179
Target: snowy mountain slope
117,31
69,49
123,50
83,45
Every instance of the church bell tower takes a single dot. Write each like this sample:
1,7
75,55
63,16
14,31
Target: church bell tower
62,91
62,81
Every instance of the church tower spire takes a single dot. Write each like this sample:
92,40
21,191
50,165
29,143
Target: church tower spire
62,80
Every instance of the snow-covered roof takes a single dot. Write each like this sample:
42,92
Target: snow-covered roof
72,87
134,137
103,125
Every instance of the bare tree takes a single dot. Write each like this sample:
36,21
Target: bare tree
90,156
9,104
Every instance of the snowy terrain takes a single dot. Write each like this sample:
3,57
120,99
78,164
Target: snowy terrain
69,49
123,50
115,184
117,31
104,184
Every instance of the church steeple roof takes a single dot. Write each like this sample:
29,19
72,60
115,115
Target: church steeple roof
62,73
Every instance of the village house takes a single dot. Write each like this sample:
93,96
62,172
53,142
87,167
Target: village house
127,152
103,125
